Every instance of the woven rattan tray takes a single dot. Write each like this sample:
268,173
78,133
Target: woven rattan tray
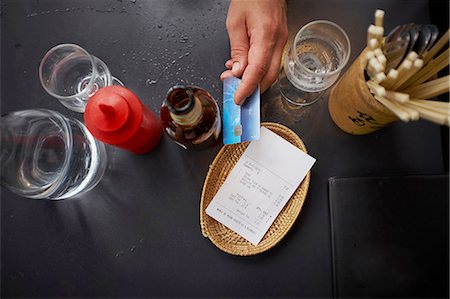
226,239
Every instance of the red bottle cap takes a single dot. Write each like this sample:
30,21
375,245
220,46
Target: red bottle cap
116,116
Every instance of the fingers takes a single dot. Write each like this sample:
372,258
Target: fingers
225,75
275,65
259,60
229,63
239,44
257,35
271,74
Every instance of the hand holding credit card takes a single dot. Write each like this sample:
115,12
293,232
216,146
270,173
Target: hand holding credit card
240,123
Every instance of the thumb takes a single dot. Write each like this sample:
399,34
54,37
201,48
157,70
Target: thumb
239,45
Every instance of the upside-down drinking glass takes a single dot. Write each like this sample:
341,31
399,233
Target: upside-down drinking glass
47,155
313,62
72,75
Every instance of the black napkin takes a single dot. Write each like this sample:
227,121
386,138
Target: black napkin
390,236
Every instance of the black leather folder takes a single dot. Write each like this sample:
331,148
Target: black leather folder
390,236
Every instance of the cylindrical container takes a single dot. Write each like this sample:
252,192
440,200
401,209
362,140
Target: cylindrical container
47,155
351,105
191,117
116,116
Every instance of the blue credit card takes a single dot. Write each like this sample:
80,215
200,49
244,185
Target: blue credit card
240,123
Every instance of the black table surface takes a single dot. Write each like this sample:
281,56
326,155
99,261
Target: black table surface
137,234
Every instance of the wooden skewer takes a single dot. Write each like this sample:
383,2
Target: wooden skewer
413,113
397,96
412,56
432,115
437,104
404,67
443,111
379,77
397,110
437,90
380,56
390,78
375,32
431,88
379,17
376,89
429,70
416,66
403,70
432,72
428,84
378,52
437,47
370,55
373,43
375,66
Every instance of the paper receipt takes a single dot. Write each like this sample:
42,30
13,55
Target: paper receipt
260,184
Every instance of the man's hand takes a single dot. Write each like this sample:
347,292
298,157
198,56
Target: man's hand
258,33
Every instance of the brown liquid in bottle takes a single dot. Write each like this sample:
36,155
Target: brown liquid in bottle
191,117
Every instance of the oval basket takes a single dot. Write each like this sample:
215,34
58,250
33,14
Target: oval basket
223,237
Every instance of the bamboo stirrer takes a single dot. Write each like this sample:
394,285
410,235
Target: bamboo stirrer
405,90
432,116
428,85
437,47
373,43
397,96
439,110
400,113
416,66
379,17
437,104
412,113
376,89
432,68
390,78
432,91
380,77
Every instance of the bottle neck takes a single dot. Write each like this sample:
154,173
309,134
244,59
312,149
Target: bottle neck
184,107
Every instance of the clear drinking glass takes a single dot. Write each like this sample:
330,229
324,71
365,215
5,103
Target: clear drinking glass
47,155
70,74
313,62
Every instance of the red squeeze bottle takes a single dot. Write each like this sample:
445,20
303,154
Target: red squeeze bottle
116,116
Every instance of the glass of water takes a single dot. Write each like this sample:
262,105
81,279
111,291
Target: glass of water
47,155
70,74
313,62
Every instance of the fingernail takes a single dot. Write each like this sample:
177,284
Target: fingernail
235,67
237,101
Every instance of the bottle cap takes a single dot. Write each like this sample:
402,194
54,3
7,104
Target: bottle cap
113,114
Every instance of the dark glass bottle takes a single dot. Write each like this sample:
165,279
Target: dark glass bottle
191,117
